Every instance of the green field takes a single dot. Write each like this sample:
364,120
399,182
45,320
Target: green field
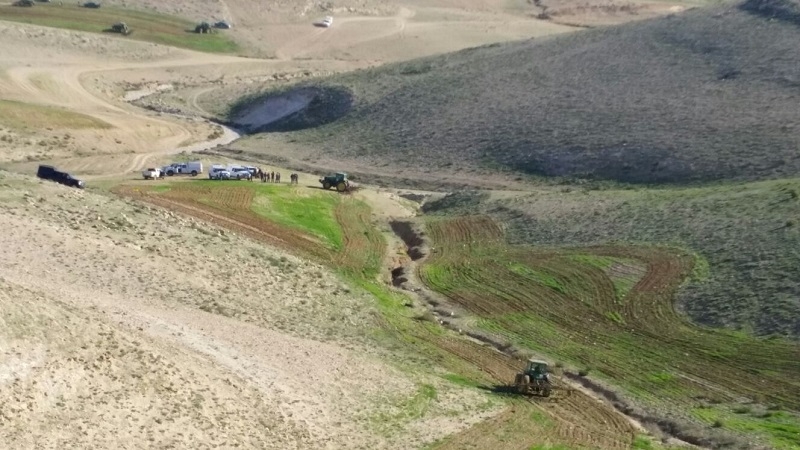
149,27
744,237
338,231
566,303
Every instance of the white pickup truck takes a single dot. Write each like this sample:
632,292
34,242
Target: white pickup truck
152,173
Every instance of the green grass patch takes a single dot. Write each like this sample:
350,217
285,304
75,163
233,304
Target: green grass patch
781,429
642,443
146,26
615,317
404,409
661,377
28,116
312,213
537,276
460,380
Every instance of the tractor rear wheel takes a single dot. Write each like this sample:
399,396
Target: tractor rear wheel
522,386
341,187
326,185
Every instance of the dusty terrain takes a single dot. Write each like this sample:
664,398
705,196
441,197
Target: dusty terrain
127,326
123,326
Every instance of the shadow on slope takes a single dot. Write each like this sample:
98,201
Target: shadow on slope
785,10
709,94
290,110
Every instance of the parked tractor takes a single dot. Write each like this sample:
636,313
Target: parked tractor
338,180
537,380
203,28
122,28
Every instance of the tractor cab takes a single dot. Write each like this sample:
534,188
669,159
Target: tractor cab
536,369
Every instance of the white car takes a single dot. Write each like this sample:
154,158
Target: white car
241,173
213,171
152,173
219,175
326,22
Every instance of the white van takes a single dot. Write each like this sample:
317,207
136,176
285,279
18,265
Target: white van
192,168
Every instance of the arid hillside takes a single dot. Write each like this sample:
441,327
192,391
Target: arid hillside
696,96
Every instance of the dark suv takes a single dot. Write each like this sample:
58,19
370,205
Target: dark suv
50,173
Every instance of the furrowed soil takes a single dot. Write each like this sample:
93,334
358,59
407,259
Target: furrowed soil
578,420
609,310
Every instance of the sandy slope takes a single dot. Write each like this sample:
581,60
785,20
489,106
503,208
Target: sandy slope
123,326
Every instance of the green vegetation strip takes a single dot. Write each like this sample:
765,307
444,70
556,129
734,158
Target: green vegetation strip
20,116
146,26
565,303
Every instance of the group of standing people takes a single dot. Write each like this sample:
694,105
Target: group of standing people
274,177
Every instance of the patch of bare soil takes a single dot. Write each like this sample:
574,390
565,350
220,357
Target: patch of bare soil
124,325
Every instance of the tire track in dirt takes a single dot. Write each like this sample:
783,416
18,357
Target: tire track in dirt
573,311
575,420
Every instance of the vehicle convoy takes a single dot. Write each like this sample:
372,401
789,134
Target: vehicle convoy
152,173
52,174
188,168
220,172
338,180
537,380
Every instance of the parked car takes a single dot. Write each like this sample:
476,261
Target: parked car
189,168
152,173
219,175
241,173
222,25
53,174
326,22
91,5
214,169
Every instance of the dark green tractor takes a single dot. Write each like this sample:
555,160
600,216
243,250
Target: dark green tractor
203,28
537,380
121,28
338,180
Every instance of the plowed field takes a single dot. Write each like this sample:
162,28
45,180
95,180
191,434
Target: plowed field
579,420
610,309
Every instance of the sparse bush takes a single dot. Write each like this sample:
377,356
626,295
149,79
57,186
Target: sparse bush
426,316
585,371
744,409
718,424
